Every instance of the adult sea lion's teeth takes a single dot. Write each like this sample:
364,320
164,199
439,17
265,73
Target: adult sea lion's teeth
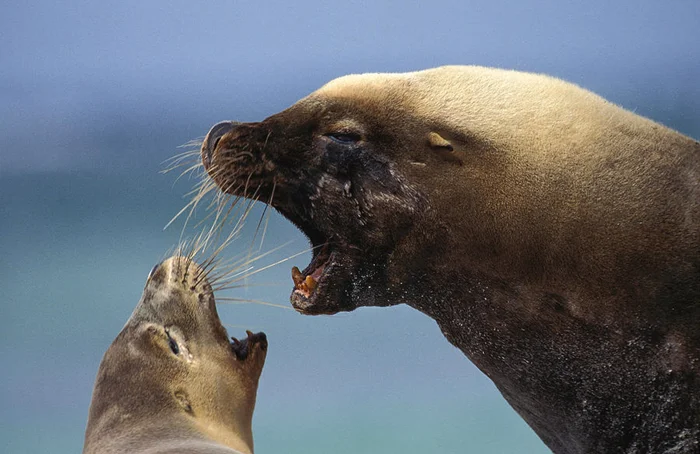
297,277
311,283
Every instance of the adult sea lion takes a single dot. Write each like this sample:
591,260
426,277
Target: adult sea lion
553,236
171,381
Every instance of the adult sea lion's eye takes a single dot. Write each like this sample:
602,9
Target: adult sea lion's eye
345,138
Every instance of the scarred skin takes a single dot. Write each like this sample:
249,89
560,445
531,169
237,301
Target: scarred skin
172,382
553,236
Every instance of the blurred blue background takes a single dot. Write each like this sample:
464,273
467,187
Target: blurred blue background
94,96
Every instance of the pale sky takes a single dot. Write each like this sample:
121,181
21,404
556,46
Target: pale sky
81,79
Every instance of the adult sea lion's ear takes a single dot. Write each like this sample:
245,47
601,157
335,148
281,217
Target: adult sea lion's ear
444,147
437,141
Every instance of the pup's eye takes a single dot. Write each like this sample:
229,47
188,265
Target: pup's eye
173,344
344,138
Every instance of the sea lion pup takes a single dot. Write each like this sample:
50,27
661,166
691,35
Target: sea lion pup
553,236
171,381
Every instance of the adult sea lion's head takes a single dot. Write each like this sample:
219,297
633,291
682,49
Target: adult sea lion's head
359,166
431,185
172,376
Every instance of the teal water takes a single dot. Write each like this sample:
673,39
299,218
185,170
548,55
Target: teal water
76,250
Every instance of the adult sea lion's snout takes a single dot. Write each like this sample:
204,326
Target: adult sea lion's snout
212,139
321,163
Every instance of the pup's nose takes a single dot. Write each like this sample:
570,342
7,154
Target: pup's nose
212,139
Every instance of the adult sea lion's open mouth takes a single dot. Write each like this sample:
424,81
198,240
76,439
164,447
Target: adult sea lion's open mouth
313,278
240,160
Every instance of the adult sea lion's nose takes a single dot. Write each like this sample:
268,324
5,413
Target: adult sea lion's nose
212,139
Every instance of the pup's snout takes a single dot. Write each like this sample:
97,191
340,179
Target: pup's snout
212,139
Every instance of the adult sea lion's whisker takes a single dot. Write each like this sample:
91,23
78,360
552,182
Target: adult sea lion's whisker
224,200
225,286
257,227
233,274
213,261
229,201
180,158
256,271
204,189
200,190
267,138
196,142
263,215
237,272
191,169
178,165
251,301
247,183
185,155
217,222
226,267
178,214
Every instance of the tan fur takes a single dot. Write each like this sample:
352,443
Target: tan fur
541,129
149,400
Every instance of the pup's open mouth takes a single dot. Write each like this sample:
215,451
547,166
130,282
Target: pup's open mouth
241,348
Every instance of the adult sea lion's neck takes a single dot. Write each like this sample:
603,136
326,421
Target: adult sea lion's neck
570,378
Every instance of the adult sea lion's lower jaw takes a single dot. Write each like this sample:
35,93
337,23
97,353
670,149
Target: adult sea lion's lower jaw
316,288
